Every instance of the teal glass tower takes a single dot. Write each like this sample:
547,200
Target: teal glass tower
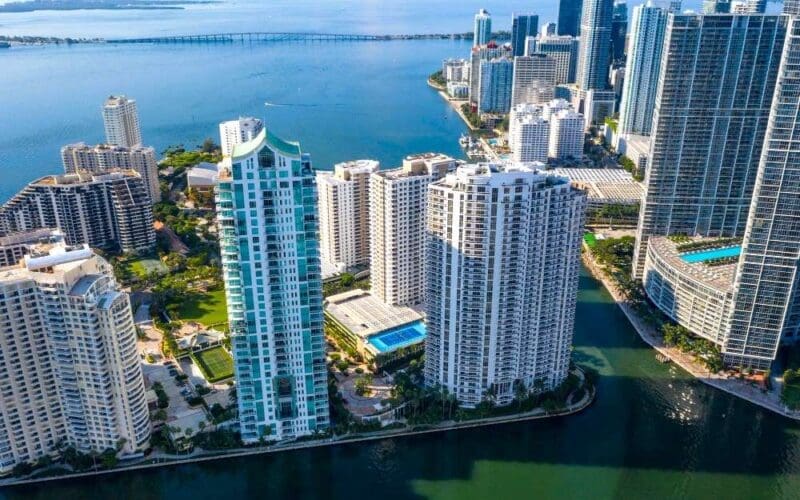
269,241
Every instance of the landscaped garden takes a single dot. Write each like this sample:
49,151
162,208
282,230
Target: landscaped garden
207,308
215,363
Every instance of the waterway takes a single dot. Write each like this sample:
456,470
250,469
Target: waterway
653,432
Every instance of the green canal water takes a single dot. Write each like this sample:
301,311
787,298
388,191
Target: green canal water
653,432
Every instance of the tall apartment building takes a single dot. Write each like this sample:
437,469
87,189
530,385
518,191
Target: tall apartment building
121,121
716,6
269,241
563,49
766,301
528,134
456,70
482,33
619,30
344,213
397,227
566,135
496,79
645,44
110,211
595,45
69,368
105,157
534,79
549,29
569,17
15,246
716,85
239,131
522,26
502,260
478,55
748,6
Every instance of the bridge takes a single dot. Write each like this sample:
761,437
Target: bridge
260,37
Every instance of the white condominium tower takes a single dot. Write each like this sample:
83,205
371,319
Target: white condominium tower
344,213
104,157
69,369
528,134
715,91
235,132
766,302
566,135
639,87
397,227
483,28
502,259
111,211
121,121
534,80
269,240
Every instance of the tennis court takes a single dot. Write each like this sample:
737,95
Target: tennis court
215,363
398,337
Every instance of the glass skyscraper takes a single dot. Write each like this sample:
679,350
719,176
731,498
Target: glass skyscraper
483,28
522,26
569,17
269,240
595,44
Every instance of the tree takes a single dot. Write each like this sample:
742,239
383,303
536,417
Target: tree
209,146
347,279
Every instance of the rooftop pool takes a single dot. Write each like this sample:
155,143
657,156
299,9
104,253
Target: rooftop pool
714,253
398,337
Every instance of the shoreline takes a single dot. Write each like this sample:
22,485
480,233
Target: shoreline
734,387
535,414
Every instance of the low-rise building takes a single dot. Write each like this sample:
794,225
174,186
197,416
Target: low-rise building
203,177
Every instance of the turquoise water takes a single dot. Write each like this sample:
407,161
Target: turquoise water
396,338
716,253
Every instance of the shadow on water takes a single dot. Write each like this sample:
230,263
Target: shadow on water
652,432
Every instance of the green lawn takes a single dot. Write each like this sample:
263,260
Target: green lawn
590,239
143,266
215,363
206,308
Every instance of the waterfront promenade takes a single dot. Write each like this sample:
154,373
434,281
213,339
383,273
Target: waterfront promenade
161,459
769,400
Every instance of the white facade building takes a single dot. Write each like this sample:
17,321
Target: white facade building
566,135
121,121
344,213
239,131
397,227
529,135
69,368
502,258
456,70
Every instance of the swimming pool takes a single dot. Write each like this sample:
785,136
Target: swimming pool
398,337
715,253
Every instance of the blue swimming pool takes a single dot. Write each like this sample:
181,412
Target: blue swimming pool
396,338
716,253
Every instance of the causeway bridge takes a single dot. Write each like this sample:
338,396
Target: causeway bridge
263,37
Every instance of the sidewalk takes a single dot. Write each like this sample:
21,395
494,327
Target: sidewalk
741,389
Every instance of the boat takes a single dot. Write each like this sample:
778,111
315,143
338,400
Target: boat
5,45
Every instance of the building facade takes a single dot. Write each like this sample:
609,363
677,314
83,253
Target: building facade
595,49
110,211
619,30
69,368
717,80
397,227
522,26
482,33
569,17
239,131
502,257
104,158
344,213
534,79
563,49
269,240
566,135
528,134
121,121
496,79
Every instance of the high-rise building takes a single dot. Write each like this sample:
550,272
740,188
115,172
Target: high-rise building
496,79
110,211
269,237
716,85
619,30
748,6
15,246
69,368
483,28
766,301
239,131
480,54
549,29
569,17
522,26
595,45
502,259
648,24
716,6
528,134
344,213
103,158
564,49
597,105
566,135
121,121
534,79
397,227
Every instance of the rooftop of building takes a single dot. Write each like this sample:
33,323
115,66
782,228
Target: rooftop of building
246,149
116,100
33,237
421,164
82,178
486,172
710,261
365,315
48,258
203,174
614,184
82,146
